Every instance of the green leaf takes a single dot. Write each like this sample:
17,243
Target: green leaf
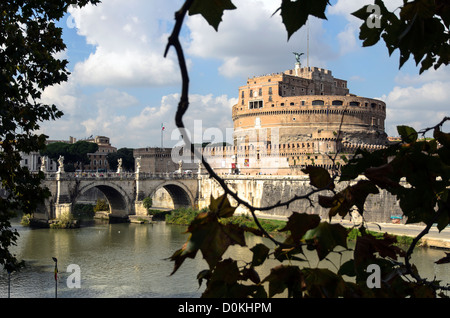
442,138
325,237
260,253
355,195
382,176
299,223
367,246
211,10
323,283
295,13
408,134
444,260
221,207
348,268
282,277
210,237
319,177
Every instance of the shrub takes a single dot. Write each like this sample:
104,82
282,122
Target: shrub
102,205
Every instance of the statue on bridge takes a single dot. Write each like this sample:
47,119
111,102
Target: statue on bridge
119,165
138,164
61,164
44,164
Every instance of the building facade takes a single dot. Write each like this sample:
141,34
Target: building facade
304,116
98,161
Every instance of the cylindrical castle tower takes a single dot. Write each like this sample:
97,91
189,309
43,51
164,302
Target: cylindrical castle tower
307,105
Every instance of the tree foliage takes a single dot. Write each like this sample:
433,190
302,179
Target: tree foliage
127,159
75,154
29,40
416,171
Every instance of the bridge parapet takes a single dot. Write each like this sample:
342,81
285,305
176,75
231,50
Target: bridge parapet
119,176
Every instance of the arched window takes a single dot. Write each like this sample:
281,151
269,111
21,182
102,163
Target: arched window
337,103
318,102
354,103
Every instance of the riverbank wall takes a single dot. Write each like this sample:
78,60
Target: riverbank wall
262,191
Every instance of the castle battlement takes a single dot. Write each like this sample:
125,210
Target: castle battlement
299,112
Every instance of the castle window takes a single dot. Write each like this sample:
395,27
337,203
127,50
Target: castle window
293,118
318,102
255,104
243,94
303,102
270,90
260,92
354,103
373,105
337,103
291,104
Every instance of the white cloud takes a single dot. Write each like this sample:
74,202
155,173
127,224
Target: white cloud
420,107
251,41
349,37
206,113
129,39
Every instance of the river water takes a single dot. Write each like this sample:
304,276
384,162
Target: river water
130,260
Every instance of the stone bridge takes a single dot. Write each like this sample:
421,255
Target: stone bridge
124,192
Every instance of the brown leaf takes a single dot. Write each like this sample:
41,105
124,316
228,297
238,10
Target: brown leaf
282,277
444,260
210,237
299,223
319,177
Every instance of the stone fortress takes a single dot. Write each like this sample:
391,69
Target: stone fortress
303,116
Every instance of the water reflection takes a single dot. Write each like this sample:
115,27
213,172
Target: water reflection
130,260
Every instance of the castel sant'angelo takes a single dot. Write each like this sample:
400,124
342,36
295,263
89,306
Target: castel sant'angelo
303,116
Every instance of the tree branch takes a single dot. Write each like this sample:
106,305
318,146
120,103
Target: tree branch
183,106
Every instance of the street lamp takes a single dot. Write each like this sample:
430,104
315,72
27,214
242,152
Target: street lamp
56,276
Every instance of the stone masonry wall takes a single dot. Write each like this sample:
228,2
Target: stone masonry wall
263,191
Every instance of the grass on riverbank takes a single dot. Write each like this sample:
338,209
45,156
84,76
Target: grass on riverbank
185,216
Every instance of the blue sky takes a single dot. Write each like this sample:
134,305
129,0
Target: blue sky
122,87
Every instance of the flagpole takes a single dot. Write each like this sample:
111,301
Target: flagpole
162,132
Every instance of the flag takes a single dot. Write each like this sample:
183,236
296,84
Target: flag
162,127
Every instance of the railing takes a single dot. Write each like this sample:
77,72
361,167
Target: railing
120,176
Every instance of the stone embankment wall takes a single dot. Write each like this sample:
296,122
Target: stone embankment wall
262,191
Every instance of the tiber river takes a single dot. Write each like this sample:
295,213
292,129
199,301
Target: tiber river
130,260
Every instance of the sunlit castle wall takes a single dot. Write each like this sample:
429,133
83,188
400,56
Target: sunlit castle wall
307,105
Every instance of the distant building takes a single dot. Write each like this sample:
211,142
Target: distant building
33,160
155,160
98,161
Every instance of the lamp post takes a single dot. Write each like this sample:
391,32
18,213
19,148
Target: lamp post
56,276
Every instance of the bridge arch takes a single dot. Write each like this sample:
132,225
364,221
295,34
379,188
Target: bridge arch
119,202
179,192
